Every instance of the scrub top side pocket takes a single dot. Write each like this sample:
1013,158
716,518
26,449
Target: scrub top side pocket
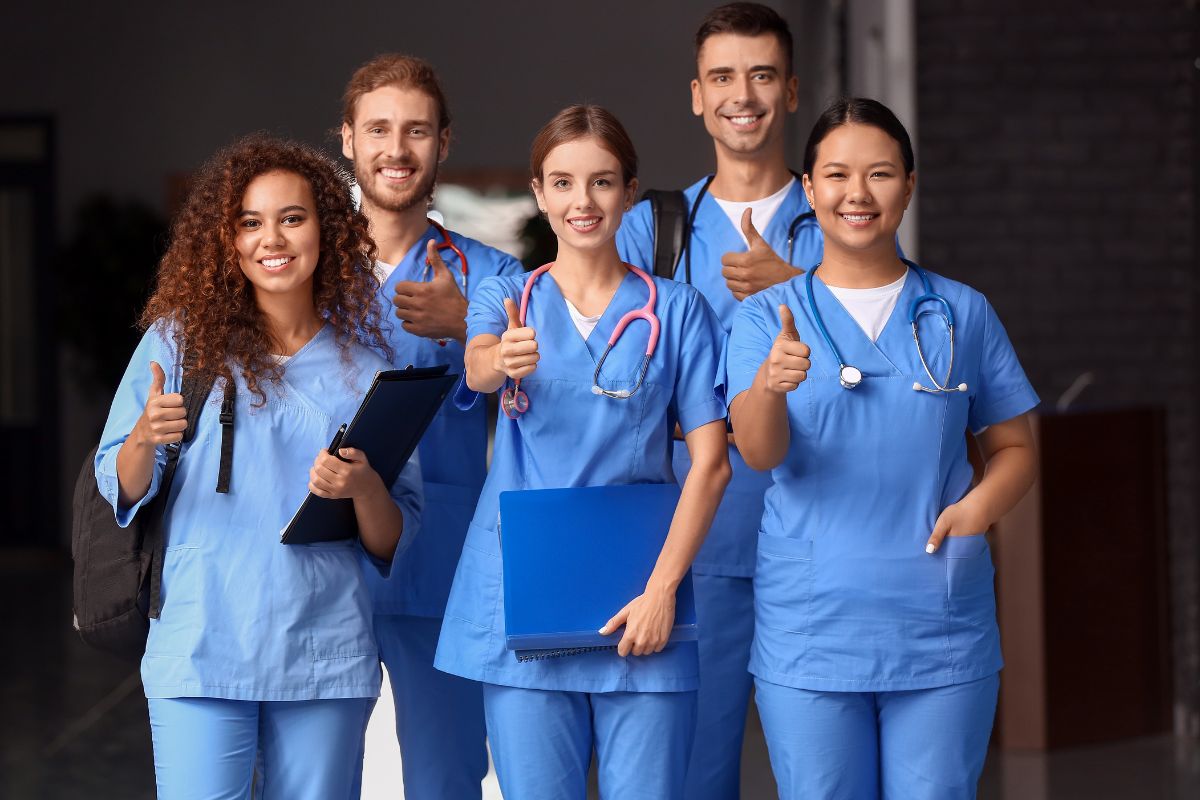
783,584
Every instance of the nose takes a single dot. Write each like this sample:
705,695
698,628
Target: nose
583,201
858,190
273,235
395,146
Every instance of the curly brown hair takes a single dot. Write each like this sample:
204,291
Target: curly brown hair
202,293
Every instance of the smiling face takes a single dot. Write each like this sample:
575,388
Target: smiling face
583,194
278,234
396,147
743,91
858,188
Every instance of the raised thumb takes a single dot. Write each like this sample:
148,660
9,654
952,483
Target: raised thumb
787,324
748,230
440,270
158,379
514,315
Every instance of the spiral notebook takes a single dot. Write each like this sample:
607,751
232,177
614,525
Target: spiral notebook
572,558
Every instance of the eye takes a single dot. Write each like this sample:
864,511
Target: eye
761,77
835,175
293,219
417,132
561,183
720,79
603,183
376,131
881,174
249,224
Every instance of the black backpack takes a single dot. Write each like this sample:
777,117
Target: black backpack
118,571
669,210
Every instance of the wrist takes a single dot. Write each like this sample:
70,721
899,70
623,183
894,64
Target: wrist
661,587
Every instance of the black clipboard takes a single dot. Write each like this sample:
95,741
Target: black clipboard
388,426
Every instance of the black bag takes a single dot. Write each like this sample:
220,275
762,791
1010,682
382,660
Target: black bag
669,211
118,571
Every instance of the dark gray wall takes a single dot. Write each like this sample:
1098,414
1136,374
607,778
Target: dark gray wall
1058,175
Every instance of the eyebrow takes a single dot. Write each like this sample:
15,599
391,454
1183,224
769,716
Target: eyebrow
869,166
248,213
379,121
730,70
562,174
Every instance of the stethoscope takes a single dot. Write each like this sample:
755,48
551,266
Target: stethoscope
691,221
514,402
446,244
851,377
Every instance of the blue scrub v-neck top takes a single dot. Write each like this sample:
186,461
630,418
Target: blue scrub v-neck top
730,547
453,450
846,598
571,437
243,616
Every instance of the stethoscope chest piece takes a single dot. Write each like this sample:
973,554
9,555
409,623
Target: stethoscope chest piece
849,377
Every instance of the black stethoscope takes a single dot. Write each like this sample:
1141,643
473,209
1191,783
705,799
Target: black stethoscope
691,221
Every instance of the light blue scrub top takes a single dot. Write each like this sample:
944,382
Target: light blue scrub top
729,548
243,616
570,437
846,599
454,449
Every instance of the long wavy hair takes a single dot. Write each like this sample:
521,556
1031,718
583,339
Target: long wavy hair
202,294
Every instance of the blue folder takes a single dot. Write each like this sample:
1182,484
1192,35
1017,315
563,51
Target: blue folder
573,558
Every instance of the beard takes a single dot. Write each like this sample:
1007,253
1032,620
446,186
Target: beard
396,202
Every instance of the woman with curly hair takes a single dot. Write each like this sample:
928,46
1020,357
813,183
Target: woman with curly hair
258,646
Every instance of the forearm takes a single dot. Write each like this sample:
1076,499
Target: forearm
701,494
380,521
135,468
482,363
760,424
1008,474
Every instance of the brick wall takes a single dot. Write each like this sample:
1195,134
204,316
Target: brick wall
1058,174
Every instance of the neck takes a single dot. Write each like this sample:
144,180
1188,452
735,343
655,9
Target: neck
291,318
395,232
588,278
746,178
860,269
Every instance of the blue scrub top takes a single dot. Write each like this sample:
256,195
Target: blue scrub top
243,616
570,437
846,599
453,451
729,548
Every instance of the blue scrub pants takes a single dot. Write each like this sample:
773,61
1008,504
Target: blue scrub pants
439,717
925,744
205,748
542,742
725,613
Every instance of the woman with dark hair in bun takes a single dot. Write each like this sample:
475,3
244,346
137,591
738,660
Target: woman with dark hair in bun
876,650
258,647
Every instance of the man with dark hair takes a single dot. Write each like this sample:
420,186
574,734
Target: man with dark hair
744,228
396,130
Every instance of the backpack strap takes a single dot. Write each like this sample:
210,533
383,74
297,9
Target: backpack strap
669,210
195,390
228,403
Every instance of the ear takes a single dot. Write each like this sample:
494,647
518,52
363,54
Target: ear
697,98
793,94
910,187
535,186
443,145
631,193
347,141
806,183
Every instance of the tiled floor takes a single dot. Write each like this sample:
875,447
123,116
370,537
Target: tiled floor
74,724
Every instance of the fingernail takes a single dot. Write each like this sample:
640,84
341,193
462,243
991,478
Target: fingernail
604,631
929,548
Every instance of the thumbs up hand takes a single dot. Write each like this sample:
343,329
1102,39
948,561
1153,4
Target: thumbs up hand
787,364
517,355
433,309
164,419
754,270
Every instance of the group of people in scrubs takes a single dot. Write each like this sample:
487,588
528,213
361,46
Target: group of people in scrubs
814,395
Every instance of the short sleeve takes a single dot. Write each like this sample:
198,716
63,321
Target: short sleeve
509,266
699,388
755,327
127,407
1001,389
635,237
485,313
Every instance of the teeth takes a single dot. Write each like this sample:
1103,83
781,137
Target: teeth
742,120
857,217
271,263
584,223
389,172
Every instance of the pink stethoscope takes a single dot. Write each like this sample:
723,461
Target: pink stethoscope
446,244
515,402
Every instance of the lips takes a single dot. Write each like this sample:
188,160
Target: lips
744,120
276,263
859,219
584,224
396,174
